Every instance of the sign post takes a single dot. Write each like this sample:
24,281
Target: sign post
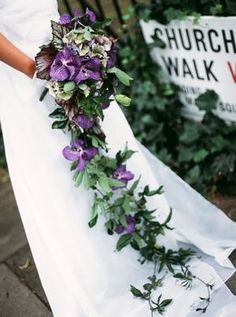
197,57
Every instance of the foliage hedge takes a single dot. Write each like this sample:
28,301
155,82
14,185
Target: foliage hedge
204,154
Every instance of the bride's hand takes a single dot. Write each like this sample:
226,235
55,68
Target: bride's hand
15,58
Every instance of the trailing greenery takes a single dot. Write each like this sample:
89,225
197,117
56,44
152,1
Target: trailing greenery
204,154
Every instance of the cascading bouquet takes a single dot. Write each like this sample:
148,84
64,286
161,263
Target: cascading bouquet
79,68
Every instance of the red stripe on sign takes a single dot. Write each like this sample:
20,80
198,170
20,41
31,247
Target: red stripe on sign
233,72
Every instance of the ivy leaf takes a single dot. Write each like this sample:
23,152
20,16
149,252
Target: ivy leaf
87,34
200,155
158,191
179,276
79,178
69,86
134,185
58,113
93,222
114,182
94,215
135,291
59,124
207,101
123,241
102,24
191,132
166,302
86,180
123,77
104,184
141,243
123,100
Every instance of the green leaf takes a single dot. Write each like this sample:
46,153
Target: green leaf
94,215
185,154
102,24
148,287
166,302
93,222
207,101
114,182
104,184
87,34
168,218
69,86
123,241
191,132
58,32
217,9
135,291
123,77
58,113
135,185
123,100
200,155
59,124
86,180
127,154
158,191
141,243
179,276
79,178
193,174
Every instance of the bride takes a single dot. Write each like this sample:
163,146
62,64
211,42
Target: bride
79,270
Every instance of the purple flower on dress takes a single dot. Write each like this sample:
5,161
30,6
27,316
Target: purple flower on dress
84,121
65,65
90,15
65,19
79,153
131,225
90,69
119,229
122,175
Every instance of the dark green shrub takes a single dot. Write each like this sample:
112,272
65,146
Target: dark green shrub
204,154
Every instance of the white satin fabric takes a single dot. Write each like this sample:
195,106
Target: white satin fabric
79,270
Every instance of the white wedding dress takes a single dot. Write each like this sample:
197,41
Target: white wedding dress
79,270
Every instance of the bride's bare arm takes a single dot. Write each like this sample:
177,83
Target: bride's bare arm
15,58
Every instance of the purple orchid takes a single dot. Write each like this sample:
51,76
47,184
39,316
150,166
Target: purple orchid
69,66
65,65
84,121
90,15
79,153
90,69
122,175
77,13
112,57
131,225
65,19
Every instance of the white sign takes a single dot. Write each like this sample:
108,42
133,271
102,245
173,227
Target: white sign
198,57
